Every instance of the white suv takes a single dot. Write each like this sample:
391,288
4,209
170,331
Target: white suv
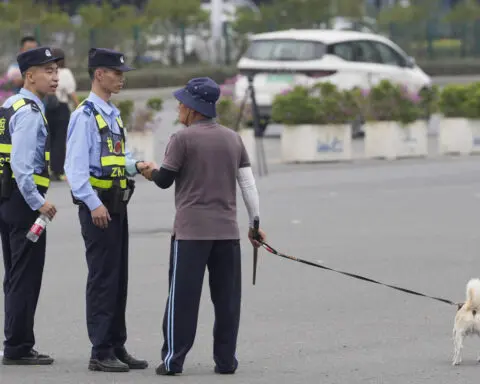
283,59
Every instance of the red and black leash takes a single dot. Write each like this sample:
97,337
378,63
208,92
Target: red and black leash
355,276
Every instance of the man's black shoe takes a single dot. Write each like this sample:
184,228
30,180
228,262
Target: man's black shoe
110,364
128,359
32,358
231,372
162,371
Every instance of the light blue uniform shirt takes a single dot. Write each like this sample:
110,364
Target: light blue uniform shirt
84,147
29,135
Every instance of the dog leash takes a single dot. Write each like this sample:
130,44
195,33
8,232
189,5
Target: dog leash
359,277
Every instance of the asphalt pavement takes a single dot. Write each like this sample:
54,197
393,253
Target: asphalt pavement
413,223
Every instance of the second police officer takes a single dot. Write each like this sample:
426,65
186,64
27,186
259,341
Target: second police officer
97,164
24,181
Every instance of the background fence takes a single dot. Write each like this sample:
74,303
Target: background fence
148,46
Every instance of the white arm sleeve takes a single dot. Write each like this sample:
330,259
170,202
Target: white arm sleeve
246,181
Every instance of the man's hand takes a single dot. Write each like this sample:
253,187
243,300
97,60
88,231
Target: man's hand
101,217
254,242
147,169
142,165
48,210
147,173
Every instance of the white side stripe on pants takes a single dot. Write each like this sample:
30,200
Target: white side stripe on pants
171,309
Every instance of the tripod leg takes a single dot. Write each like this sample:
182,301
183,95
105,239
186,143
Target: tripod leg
261,157
258,155
242,108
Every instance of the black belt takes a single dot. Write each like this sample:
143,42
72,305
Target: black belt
114,199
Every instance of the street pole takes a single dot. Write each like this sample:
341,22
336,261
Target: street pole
216,18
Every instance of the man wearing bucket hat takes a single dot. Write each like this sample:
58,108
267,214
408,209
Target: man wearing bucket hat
96,165
205,160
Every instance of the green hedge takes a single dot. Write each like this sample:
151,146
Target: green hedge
164,77
172,77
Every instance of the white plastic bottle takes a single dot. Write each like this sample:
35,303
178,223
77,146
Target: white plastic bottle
37,228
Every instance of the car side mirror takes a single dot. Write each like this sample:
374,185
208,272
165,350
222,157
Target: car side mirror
410,62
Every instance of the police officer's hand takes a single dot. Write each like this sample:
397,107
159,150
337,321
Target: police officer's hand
48,210
101,217
147,173
254,242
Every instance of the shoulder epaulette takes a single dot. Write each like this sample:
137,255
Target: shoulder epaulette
87,107
34,107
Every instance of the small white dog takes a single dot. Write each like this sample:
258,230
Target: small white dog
467,319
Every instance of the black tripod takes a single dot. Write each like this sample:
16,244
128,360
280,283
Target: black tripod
260,152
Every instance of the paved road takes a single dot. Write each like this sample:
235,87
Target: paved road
412,223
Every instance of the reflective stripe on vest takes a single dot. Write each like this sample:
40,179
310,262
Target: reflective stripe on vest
106,184
41,179
112,153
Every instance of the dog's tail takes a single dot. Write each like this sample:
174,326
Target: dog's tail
473,295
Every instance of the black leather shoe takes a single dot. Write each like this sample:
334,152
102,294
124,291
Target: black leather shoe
110,364
32,358
162,371
128,359
230,372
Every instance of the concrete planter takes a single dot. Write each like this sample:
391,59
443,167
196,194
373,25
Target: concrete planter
391,140
316,143
248,138
459,136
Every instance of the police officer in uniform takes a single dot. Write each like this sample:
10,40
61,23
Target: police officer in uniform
24,180
97,164
206,161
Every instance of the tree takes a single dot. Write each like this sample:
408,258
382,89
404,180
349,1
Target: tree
464,11
353,9
104,15
173,18
177,14
283,14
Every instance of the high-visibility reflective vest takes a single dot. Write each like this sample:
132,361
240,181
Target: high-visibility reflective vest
42,179
112,152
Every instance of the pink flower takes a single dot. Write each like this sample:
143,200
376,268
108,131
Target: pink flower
365,92
226,91
286,91
231,80
415,98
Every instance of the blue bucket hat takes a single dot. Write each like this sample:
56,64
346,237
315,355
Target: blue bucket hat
201,95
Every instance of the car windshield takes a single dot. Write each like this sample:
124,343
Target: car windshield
285,50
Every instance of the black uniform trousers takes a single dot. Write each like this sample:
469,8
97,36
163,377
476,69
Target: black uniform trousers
107,282
24,262
188,261
58,125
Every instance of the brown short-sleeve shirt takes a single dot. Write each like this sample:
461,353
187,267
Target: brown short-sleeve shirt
207,157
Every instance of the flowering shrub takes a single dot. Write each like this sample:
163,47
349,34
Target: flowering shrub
429,99
141,119
453,100
472,102
155,104
461,101
228,113
390,102
321,104
295,107
6,89
126,108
